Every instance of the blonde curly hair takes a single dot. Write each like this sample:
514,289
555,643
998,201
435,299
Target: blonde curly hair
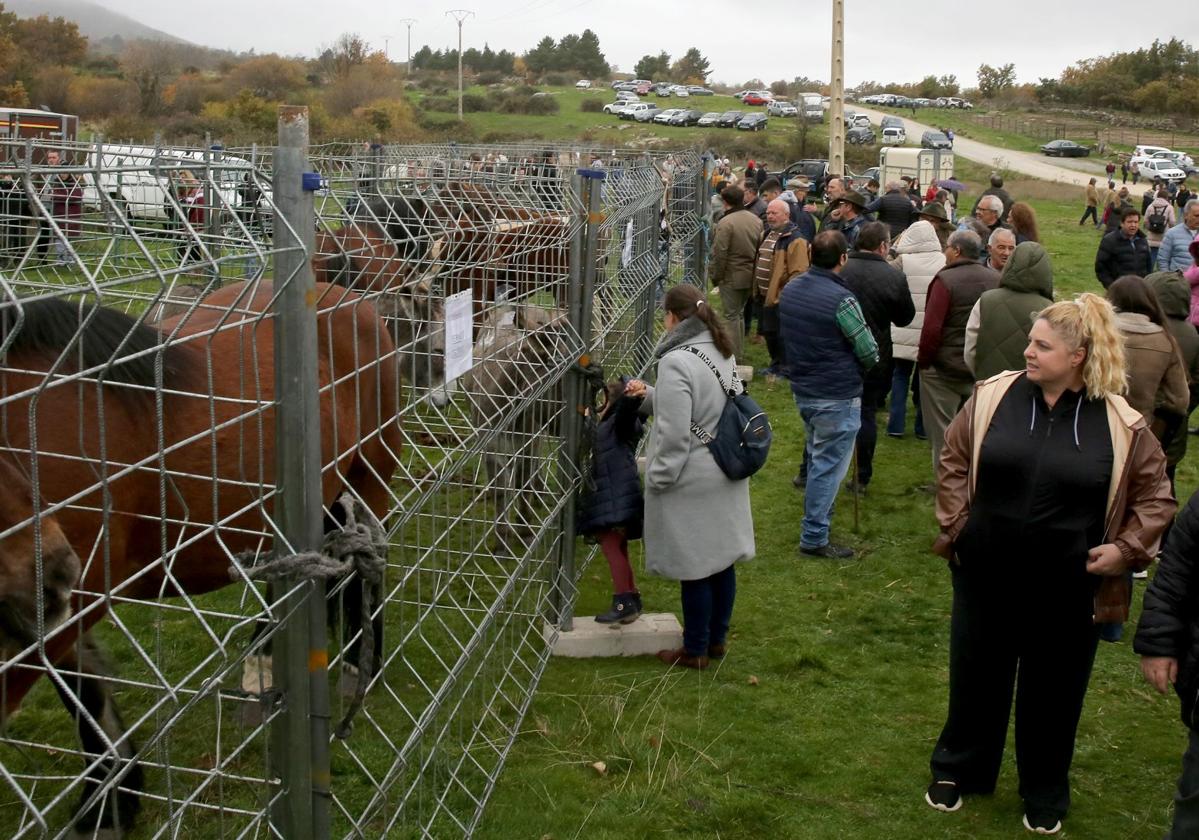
1089,321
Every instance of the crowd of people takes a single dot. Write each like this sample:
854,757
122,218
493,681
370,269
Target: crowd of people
1054,427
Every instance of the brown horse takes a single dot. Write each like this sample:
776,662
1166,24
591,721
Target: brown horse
95,502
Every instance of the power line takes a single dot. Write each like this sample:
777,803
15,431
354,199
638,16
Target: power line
460,15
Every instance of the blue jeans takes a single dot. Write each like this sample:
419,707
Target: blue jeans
830,429
904,377
707,610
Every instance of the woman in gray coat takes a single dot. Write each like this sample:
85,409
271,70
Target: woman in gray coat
697,520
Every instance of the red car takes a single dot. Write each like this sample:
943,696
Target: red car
755,99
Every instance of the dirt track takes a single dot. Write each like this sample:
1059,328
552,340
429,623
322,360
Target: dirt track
1028,163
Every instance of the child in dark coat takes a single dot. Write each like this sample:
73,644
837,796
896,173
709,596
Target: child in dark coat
613,510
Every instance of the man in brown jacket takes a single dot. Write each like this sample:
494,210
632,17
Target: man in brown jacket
789,257
734,252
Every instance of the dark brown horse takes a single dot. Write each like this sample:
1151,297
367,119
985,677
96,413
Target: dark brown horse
96,503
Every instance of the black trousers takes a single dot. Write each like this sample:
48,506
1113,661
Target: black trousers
1091,212
873,393
1027,629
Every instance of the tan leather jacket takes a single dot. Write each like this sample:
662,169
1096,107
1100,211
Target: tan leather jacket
793,260
1139,500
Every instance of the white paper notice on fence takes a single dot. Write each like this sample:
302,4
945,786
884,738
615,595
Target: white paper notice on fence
459,334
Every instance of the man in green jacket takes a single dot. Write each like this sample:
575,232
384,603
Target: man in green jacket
734,254
997,332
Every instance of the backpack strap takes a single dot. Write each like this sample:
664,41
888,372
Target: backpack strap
706,437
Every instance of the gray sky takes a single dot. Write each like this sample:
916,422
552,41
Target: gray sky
882,44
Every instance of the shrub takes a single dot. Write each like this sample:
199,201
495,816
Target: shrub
473,103
558,79
440,105
591,106
489,77
522,101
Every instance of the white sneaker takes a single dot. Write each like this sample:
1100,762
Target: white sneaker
1042,826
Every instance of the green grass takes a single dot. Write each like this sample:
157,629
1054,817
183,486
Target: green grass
820,722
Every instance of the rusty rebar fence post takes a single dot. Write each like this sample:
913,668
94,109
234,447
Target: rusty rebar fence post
300,733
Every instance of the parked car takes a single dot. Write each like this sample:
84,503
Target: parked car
860,121
698,90
860,136
624,86
753,122
902,102
861,180
680,91
921,102
1065,148
1148,151
894,136
665,116
710,118
814,169
730,118
890,121
617,106
662,89
583,84
1185,162
687,116
627,96
934,140
779,108
1167,170
643,89
642,112
755,98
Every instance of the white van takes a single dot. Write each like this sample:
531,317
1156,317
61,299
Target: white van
137,178
894,136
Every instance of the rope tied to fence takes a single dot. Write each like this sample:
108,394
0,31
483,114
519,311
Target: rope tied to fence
360,545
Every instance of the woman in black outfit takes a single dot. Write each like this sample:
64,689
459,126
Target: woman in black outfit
1051,487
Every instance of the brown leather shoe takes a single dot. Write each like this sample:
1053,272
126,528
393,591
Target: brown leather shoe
716,651
683,659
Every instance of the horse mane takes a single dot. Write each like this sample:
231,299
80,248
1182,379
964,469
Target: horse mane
51,326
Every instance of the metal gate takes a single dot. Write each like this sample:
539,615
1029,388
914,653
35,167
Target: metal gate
286,559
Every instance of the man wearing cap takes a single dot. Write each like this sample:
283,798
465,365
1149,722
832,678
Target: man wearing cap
851,209
734,253
798,189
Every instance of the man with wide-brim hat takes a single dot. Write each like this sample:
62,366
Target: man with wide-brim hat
851,210
934,213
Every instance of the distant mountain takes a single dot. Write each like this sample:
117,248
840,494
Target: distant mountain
96,22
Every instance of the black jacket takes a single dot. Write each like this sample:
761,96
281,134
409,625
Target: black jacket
894,210
613,497
1169,624
1118,256
883,293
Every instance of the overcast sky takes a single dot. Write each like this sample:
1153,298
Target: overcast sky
885,40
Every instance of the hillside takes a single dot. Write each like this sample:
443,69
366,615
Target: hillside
97,23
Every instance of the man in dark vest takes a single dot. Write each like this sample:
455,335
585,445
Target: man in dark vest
945,381
997,332
828,346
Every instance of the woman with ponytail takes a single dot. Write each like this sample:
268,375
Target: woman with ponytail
697,520
1052,487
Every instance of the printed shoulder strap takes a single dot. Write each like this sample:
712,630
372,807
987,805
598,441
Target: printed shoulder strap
706,437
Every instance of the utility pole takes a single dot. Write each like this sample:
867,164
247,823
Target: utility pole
408,22
386,50
460,15
836,114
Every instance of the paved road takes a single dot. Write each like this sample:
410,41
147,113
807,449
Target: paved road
1029,163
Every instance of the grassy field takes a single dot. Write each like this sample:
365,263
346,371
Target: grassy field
820,722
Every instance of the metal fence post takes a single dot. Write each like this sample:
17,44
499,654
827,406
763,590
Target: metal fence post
697,262
586,184
300,734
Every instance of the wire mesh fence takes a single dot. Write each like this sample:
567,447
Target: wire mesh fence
230,428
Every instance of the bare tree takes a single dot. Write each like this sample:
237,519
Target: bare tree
149,65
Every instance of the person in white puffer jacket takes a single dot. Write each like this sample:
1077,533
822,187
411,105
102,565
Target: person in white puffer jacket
919,257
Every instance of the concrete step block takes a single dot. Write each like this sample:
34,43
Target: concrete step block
646,636
746,372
